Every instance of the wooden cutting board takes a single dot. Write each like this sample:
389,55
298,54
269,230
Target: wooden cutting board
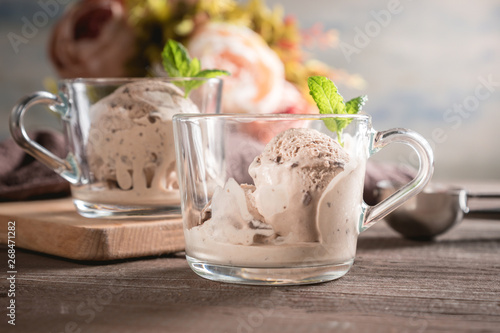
54,227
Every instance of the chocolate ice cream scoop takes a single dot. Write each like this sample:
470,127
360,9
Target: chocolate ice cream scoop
290,176
130,146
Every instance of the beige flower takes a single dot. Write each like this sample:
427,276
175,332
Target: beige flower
93,39
257,80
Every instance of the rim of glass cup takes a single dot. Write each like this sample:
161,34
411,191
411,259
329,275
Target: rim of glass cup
121,80
270,116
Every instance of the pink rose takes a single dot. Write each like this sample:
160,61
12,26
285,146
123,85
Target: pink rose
257,76
257,82
93,39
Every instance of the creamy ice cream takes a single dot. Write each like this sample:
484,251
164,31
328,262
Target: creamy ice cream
290,176
304,207
130,148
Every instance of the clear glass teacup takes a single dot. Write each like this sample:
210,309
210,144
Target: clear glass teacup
278,199
121,160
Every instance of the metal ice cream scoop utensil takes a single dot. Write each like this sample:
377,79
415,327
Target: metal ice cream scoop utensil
435,210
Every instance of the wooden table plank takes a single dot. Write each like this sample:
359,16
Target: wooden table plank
396,285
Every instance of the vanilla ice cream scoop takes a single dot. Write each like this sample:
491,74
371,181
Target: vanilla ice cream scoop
290,177
131,145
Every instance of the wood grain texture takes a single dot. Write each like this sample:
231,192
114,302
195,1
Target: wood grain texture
396,285
54,227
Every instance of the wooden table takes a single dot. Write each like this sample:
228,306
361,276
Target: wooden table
396,285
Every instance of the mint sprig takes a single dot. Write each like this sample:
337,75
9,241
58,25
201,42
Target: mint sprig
178,63
329,101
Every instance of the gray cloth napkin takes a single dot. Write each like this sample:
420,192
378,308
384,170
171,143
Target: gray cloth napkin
24,178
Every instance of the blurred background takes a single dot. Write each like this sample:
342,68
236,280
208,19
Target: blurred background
430,66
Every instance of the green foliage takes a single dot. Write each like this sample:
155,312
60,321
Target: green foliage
178,63
329,101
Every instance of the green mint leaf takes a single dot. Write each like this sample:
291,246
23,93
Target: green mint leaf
210,73
325,94
178,63
329,101
353,106
207,73
176,60
356,104
194,67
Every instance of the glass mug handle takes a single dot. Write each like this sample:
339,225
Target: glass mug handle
66,168
381,139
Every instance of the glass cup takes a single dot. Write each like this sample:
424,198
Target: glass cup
121,160
286,213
